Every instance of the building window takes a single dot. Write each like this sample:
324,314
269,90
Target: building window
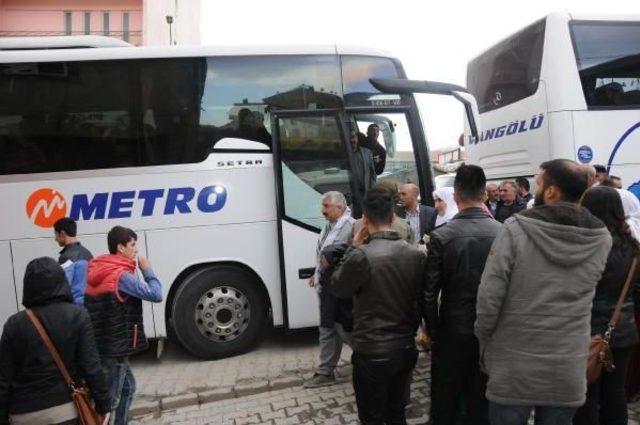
105,23
125,26
67,23
87,23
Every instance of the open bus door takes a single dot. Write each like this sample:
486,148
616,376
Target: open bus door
310,149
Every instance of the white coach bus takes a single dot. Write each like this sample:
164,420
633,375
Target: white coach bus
216,157
567,86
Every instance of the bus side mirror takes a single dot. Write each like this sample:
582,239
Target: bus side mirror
402,86
472,115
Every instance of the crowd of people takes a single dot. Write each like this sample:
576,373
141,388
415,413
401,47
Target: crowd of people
504,287
91,309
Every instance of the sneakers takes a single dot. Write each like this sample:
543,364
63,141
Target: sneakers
319,380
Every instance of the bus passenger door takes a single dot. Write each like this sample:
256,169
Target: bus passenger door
311,159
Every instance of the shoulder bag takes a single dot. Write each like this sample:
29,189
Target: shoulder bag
600,356
79,393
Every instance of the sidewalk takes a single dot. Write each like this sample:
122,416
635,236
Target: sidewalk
178,379
330,405
262,387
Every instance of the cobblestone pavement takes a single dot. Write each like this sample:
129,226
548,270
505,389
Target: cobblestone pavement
295,405
177,372
261,387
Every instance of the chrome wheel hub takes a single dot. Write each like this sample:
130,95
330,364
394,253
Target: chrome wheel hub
222,314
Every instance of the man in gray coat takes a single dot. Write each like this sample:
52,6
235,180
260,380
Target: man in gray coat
534,302
337,230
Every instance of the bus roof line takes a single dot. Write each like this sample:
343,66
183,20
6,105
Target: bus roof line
151,52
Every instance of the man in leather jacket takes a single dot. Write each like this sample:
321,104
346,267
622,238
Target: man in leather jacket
457,253
384,275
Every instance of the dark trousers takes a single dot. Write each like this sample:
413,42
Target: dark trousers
606,398
457,384
381,383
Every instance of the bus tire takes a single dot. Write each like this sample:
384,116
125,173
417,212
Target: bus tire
219,312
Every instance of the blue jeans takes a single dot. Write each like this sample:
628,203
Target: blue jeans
500,414
122,386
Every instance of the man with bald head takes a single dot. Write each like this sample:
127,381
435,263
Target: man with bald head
421,218
591,175
493,196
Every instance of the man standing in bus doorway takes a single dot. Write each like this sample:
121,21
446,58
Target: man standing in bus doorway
337,230
457,254
534,302
522,183
509,203
379,153
364,173
114,300
384,275
493,196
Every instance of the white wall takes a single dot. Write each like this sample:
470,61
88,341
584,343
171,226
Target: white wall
186,22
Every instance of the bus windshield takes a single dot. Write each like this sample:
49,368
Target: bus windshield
608,59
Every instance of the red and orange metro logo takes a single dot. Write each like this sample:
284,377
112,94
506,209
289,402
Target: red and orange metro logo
46,206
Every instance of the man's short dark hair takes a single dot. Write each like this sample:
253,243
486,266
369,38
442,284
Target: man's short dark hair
568,176
378,206
600,169
66,225
524,183
119,236
470,183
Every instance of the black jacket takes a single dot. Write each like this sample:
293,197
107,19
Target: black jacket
332,309
377,150
457,254
385,277
117,318
607,293
29,378
74,252
503,211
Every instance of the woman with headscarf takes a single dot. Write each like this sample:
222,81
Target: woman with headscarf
445,205
631,206
32,389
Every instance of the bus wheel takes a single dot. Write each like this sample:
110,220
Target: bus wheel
219,312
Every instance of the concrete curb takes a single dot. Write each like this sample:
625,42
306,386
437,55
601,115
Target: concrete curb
146,407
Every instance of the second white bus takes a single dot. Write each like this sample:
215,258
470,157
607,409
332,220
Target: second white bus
567,86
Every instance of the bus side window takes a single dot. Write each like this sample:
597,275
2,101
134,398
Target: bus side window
314,161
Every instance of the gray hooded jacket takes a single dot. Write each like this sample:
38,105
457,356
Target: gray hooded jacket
534,305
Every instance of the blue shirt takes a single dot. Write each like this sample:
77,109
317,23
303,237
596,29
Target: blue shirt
76,273
148,290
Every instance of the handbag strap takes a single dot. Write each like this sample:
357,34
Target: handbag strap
616,313
50,347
